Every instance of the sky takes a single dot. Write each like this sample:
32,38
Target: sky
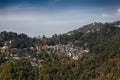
48,17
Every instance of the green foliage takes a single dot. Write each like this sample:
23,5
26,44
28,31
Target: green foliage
16,70
2,58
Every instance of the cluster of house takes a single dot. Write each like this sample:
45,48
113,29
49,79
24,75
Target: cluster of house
6,48
34,61
69,49
89,31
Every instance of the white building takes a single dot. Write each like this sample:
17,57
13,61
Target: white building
117,26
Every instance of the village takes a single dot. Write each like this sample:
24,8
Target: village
69,49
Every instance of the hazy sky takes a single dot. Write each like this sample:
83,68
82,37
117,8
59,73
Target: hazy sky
47,17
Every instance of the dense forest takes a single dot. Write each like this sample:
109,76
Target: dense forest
102,62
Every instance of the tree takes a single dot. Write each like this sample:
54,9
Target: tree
16,70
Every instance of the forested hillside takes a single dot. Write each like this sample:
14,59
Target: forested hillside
100,62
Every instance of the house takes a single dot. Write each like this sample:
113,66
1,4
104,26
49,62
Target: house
16,57
75,57
70,33
6,58
33,63
87,50
4,49
98,29
38,48
69,54
31,48
34,59
88,31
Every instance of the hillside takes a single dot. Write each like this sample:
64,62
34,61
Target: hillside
91,52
